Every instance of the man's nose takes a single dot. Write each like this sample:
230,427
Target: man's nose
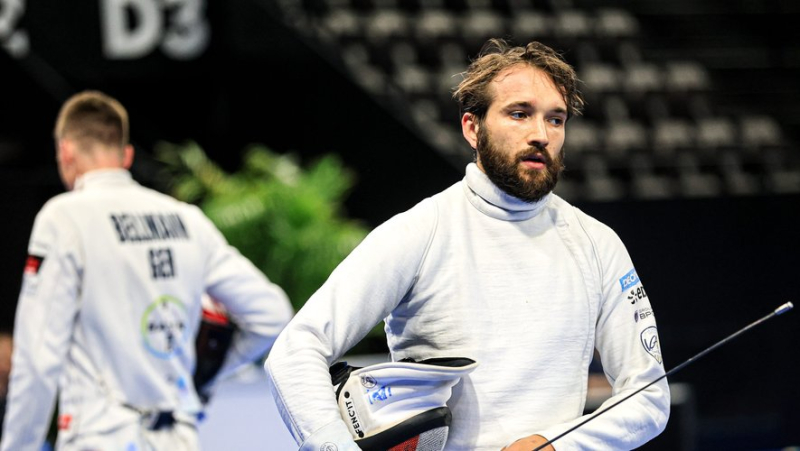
537,134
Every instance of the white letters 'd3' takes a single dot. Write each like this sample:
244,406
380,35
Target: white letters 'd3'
178,26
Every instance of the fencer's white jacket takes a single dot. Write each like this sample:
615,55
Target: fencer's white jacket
110,305
526,290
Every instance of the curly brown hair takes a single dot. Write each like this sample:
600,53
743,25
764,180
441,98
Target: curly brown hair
473,95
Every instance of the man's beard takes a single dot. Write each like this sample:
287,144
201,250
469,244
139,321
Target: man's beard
507,172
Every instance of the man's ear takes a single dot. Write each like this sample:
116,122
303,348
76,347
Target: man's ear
65,152
66,159
469,128
127,156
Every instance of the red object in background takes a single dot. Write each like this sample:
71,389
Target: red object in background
211,344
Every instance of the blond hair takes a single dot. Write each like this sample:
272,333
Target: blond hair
93,117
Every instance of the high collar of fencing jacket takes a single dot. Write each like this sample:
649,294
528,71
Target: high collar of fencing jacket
492,201
103,177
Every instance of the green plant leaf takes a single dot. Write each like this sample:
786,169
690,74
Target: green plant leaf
288,220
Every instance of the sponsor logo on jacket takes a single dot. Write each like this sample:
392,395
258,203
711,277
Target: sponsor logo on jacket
637,294
165,327
642,314
649,338
628,280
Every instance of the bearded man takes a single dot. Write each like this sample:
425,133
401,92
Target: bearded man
497,269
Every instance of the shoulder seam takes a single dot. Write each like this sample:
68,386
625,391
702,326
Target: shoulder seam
577,212
430,237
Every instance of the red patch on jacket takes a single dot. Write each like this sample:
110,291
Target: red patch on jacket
64,421
32,264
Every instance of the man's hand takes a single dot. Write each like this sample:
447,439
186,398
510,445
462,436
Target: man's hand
529,444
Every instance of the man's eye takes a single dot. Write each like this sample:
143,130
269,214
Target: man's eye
518,115
556,121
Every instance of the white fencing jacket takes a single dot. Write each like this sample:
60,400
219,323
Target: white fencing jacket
527,290
110,306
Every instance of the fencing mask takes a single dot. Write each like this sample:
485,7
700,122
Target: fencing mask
399,406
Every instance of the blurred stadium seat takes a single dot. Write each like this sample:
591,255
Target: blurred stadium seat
672,134
531,25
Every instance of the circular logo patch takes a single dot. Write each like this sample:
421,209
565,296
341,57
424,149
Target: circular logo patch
164,327
368,381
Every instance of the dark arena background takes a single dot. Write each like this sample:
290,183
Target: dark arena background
689,147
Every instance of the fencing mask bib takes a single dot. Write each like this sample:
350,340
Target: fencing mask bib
399,406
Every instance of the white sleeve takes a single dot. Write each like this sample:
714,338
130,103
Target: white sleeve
627,340
259,307
360,293
46,311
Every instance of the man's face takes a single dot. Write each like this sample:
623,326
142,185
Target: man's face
519,143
